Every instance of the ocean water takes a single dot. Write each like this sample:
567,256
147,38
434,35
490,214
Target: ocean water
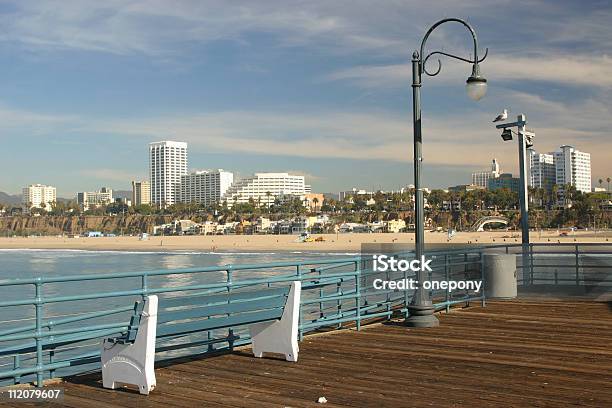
28,263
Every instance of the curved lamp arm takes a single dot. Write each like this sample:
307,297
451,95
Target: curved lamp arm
475,61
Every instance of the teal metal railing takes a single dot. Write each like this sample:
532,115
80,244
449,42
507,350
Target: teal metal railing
52,326
561,263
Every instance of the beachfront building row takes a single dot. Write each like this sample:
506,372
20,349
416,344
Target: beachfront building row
38,196
93,199
171,183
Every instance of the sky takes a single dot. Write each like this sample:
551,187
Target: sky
319,88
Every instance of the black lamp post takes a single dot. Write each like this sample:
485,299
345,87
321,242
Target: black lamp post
421,310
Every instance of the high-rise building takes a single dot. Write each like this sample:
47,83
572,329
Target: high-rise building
205,187
542,173
264,187
167,163
573,167
141,193
38,196
94,199
481,178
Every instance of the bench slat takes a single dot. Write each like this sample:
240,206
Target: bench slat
168,330
57,341
204,298
225,308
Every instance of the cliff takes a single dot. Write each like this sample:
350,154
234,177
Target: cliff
54,225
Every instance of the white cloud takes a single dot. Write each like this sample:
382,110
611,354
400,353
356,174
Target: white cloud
573,71
156,27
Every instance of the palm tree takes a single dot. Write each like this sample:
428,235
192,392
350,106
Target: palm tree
608,180
268,194
600,181
554,193
315,201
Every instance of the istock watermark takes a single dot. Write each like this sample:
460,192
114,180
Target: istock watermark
384,263
413,284
389,263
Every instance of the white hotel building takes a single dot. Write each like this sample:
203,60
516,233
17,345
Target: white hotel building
167,164
94,199
263,188
38,196
205,187
573,167
542,171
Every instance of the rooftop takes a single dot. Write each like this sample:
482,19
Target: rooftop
512,353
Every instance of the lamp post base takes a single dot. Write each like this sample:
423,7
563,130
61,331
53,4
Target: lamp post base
422,316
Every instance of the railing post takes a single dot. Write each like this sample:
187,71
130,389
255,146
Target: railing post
447,277
483,302
339,301
465,277
577,265
230,331
388,294
406,313
144,283
358,295
298,272
51,360
362,267
531,262
39,334
50,325
16,366
321,293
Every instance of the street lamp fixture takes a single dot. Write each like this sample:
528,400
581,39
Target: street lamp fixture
421,310
476,84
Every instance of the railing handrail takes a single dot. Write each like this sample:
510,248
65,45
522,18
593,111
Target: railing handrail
137,292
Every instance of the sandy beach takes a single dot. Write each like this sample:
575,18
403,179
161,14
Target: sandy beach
332,242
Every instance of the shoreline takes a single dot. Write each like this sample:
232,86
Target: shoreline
288,243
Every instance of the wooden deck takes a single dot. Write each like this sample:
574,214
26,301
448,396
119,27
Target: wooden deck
511,353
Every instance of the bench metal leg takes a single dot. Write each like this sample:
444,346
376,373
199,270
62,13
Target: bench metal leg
133,363
280,336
